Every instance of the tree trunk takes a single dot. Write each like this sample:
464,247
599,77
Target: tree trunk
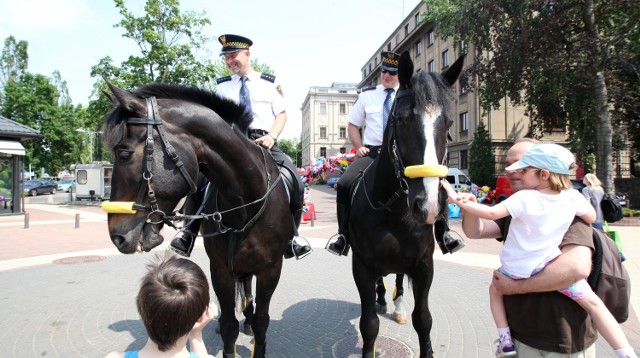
604,165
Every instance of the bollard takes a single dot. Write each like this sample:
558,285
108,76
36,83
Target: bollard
77,221
313,219
26,220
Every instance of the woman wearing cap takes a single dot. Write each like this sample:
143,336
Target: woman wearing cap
540,217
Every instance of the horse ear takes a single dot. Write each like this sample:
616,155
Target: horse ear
129,101
110,97
450,76
405,69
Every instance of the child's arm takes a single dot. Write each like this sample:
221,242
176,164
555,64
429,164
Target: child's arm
590,216
195,336
495,212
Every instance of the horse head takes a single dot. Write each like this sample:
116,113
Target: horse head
424,110
154,168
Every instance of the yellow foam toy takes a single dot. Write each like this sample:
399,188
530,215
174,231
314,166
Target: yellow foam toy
422,171
118,207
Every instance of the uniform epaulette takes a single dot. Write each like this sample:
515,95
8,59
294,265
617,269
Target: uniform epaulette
223,79
268,77
368,88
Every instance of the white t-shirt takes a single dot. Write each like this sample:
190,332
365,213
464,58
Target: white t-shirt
267,98
538,224
368,110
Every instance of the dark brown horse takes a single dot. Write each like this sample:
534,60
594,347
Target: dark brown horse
397,200
162,137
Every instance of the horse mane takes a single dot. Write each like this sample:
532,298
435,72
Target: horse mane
114,128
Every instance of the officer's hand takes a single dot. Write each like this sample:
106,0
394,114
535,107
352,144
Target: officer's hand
266,141
362,152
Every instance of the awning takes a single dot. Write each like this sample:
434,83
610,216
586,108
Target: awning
11,147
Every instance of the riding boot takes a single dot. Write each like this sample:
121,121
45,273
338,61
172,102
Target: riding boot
184,244
341,245
296,250
447,243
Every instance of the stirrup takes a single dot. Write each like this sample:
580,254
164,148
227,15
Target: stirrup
337,236
293,241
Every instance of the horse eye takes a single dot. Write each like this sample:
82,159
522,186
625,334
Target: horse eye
124,155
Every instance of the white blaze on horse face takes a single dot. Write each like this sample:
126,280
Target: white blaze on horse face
431,184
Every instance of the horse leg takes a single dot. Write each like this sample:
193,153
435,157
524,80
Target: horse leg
225,288
399,314
248,308
381,302
266,283
369,321
421,316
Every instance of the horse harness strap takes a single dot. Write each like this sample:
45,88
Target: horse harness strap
153,119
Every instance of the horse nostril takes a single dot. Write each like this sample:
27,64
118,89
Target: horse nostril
117,240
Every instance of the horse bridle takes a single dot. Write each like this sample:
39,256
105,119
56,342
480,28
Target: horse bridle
401,171
153,120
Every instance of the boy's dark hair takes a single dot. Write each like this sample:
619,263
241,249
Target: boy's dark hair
173,295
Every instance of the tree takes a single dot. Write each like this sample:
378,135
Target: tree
292,148
13,61
482,162
552,57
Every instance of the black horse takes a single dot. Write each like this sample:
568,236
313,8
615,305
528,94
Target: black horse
162,137
397,199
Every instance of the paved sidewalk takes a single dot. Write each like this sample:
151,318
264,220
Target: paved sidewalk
68,292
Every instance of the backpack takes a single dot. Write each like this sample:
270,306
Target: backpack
611,210
609,279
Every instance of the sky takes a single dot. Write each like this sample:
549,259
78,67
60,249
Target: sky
306,43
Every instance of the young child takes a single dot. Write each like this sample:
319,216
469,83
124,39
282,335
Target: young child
541,214
173,303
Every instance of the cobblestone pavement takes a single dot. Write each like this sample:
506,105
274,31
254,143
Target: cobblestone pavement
68,293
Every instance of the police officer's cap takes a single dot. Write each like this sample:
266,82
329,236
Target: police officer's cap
232,43
389,61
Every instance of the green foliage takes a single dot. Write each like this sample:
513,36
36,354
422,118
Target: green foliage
292,148
13,61
482,163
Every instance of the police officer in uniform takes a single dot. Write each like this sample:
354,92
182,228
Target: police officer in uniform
372,110
263,96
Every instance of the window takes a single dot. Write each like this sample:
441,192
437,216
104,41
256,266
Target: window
464,121
81,177
463,159
323,108
463,46
343,132
417,18
406,29
323,132
389,46
323,152
432,66
343,107
397,39
431,38
464,84
418,47
445,59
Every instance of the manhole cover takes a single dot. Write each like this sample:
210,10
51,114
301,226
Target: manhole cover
79,259
351,347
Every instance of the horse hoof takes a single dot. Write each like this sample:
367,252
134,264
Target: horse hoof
381,309
248,330
399,318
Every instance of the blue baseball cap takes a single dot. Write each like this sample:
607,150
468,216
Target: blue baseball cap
550,156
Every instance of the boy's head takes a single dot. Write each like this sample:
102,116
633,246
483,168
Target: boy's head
173,295
558,161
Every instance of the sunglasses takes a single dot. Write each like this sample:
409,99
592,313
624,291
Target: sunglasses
392,73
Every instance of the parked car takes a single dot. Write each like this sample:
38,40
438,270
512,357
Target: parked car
333,181
67,185
460,181
503,188
35,187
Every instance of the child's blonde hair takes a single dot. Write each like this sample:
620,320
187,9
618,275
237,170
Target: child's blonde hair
559,181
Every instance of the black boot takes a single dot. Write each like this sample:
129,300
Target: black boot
447,243
296,250
340,246
183,245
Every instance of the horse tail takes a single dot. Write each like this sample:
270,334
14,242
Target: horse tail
240,297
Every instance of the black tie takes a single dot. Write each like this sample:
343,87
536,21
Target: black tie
387,107
245,96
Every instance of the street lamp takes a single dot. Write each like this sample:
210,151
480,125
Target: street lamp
89,134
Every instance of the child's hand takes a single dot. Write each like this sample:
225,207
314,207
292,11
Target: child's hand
207,316
453,196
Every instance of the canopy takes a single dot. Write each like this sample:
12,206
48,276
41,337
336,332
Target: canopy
11,147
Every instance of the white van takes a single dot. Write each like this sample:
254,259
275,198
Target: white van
460,180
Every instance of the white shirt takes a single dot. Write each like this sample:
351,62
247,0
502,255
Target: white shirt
368,111
267,98
538,224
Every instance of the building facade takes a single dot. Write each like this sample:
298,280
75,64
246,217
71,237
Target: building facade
325,117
